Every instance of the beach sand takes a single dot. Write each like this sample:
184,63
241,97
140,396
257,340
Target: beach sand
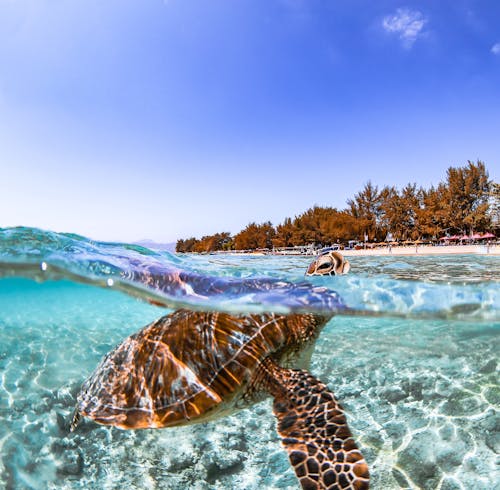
426,250
401,250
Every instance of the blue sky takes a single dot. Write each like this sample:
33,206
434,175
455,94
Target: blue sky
124,120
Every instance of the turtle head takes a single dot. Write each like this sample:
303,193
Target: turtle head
328,264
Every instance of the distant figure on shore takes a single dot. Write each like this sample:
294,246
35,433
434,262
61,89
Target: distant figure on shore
329,264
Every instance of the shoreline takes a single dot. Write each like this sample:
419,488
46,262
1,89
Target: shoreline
416,250
427,250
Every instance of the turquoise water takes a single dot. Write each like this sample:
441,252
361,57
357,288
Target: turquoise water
412,354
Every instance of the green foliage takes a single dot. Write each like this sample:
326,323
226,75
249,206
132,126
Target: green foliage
366,207
255,236
319,225
466,202
209,243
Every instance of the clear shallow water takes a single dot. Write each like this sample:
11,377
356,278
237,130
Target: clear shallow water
421,390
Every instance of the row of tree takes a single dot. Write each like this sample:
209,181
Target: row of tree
467,201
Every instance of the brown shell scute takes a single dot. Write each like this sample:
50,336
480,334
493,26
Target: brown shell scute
185,365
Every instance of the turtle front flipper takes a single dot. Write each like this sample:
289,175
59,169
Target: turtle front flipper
314,431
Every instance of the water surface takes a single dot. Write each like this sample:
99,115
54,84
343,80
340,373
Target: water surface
412,353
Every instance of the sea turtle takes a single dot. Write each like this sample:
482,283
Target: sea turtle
330,263
190,367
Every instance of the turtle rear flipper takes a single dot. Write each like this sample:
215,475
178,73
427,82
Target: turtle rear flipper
314,431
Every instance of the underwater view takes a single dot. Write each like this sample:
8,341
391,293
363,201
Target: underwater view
411,353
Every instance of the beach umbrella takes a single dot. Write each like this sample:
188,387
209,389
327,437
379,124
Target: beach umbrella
488,235
464,237
454,237
445,238
476,236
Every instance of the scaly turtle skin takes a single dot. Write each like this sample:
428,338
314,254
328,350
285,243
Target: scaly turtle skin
192,367
329,264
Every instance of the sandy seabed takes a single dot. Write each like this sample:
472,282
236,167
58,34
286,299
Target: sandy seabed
421,394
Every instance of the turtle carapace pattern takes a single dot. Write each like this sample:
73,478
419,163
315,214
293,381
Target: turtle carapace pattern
328,264
190,367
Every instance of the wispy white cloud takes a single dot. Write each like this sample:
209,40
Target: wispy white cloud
406,23
495,49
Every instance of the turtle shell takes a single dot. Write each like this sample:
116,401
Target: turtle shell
186,366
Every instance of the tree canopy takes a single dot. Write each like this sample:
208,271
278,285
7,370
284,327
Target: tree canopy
467,201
